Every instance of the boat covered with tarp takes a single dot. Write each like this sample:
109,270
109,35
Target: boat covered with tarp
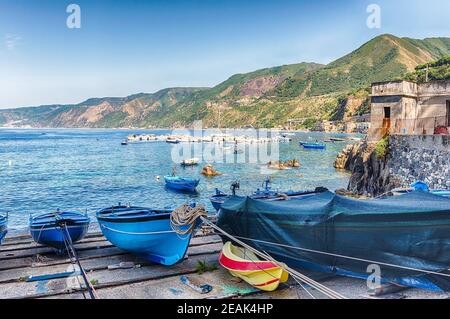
407,236
3,226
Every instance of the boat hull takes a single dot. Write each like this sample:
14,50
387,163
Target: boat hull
313,146
3,228
263,275
152,239
50,229
53,236
181,184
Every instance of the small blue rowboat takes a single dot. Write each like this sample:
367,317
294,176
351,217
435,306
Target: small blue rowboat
181,183
421,186
3,226
314,146
51,229
144,232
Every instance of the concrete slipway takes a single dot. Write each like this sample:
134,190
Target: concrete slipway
20,258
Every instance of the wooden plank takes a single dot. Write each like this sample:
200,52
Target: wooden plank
45,251
17,274
83,255
107,278
24,239
33,245
26,259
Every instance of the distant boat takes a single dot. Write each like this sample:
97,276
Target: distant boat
244,264
190,162
173,141
51,229
124,143
3,226
181,183
145,232
313,146
337,139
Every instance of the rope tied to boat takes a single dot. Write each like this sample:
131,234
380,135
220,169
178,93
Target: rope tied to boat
183,219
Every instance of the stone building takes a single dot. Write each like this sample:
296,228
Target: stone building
407,108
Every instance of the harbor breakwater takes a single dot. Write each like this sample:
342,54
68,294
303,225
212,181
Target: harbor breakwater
408,159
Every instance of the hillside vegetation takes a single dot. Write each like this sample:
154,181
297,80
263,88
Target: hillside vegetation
264,98
435,71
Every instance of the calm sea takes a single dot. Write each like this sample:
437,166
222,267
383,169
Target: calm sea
43,170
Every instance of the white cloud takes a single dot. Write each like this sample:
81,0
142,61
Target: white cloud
12,41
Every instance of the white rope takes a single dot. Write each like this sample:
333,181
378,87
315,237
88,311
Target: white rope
347,257
325,290
184,218
133,233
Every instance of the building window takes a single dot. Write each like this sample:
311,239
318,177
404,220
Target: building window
387,112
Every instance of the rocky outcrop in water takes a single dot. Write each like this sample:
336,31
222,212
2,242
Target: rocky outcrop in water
370,174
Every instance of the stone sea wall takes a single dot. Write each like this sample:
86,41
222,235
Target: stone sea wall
409,159
425,158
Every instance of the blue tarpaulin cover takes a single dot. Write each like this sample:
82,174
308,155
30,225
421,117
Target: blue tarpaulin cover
410,231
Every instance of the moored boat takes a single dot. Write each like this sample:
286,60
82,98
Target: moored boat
408,236
190,162
56,229
145,232
181,183
314,146
244,264
337,139
422,187
3,226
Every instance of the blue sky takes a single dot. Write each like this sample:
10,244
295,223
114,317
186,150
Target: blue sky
127,47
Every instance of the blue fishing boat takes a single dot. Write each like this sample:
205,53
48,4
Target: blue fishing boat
55,229
181,183
3,226
145,232
314,146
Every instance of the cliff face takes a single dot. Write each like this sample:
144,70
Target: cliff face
370,174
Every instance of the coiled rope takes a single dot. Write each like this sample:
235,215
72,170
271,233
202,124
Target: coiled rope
183,219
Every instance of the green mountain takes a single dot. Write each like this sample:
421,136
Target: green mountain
264,98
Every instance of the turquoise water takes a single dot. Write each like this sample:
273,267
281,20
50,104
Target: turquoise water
43,170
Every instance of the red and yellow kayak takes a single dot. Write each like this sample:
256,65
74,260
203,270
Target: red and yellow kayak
244,264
